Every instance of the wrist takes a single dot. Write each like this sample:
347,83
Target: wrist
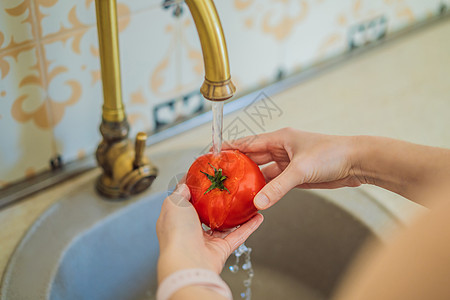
173,259
376,161
358,157
200,292
194,283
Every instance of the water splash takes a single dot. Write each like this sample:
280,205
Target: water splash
247,267
217,124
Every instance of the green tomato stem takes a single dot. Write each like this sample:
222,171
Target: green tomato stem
217,180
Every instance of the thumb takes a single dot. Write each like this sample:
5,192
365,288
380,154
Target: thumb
273,191
180,196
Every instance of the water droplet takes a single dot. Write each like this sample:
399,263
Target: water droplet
234,268
247,265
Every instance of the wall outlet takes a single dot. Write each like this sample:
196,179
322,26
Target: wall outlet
367,32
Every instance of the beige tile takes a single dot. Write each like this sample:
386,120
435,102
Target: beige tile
65,15
55,17
25,118
325,31
148,72
321,34
16,23
254,53
72,69
149,58
405,13
192,69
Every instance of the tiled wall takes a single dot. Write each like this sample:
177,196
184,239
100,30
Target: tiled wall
50,85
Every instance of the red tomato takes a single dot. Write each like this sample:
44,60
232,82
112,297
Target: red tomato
223,187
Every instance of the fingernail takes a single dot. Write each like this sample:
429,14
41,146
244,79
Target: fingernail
181,187
183,190
261,201
180,197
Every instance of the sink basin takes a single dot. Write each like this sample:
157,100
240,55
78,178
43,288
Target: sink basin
84,247
302,249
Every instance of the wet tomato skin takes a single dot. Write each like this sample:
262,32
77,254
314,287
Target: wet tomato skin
230,203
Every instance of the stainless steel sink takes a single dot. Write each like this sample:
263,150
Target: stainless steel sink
84,247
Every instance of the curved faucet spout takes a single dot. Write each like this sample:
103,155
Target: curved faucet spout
217,85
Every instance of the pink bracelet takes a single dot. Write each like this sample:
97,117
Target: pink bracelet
199,277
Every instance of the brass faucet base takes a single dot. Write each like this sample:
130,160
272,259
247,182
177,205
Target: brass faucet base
126,170
133,184
106,189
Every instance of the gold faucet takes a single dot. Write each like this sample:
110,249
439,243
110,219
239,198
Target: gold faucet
126,170
217,85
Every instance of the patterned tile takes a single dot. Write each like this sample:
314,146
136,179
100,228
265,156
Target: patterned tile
59,17
147,78
72,70
255,54
322,34
192,70
326,30
407,12
24,117
16,23
64,15
149,64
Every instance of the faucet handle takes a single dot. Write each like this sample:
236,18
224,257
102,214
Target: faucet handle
139,149
143,173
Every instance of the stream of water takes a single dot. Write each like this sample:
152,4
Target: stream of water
217,124
243,250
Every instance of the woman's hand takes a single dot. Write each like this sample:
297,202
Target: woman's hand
183,242
298,159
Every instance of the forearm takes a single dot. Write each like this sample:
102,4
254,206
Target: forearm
419,173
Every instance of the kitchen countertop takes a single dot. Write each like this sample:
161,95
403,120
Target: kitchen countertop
400,90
